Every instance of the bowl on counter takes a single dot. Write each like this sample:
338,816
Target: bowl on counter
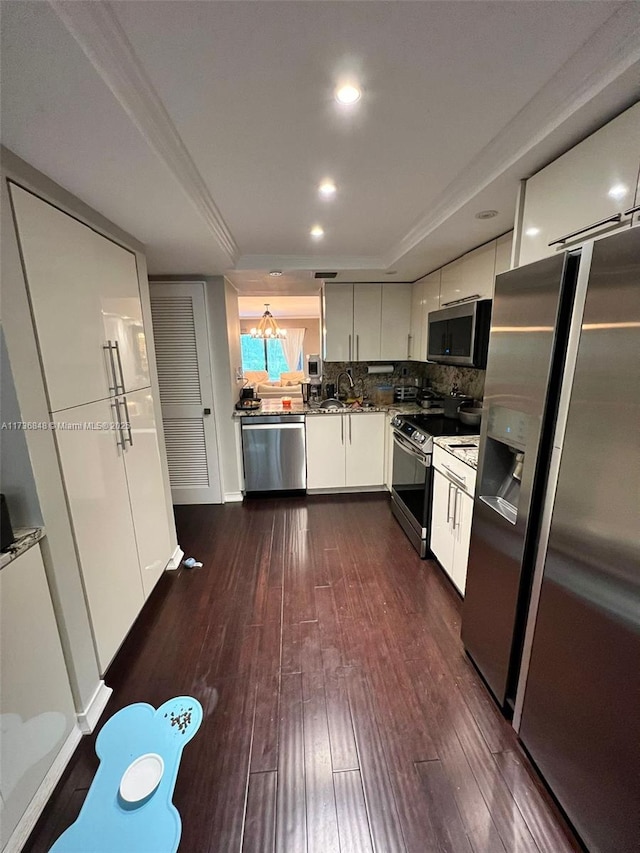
470,415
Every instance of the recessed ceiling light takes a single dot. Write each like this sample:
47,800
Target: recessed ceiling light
275,273
347,94
486,214
532,232
618,191
317,232
327,189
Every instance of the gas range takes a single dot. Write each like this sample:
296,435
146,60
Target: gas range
420,430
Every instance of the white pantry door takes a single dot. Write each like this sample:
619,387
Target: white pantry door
181,335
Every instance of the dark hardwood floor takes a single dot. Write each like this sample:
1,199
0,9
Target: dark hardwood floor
341,713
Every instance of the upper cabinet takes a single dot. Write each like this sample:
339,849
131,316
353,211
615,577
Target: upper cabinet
469,277
425,297
396,322
596,180
84,293
503,253
366,322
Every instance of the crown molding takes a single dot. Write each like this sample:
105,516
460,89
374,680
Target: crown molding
102,39
612,51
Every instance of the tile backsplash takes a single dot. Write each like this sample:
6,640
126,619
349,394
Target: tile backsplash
440,377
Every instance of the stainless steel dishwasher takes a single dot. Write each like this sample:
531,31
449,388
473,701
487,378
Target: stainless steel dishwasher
273,451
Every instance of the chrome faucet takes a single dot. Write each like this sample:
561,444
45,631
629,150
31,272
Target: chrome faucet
340,375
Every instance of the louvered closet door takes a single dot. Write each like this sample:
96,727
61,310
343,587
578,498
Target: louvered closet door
181,336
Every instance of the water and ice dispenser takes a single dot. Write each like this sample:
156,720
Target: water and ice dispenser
503,460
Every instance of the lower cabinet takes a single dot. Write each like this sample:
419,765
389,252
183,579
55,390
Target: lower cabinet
116,500
36,704
346,451
451,516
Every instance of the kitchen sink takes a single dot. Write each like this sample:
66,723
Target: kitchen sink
332,403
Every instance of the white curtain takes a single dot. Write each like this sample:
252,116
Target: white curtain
292,347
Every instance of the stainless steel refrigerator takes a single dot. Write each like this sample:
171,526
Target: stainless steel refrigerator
551,615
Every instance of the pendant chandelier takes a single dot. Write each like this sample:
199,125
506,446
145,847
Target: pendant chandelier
267,327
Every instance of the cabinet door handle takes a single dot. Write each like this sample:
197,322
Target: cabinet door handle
349,429
109,348
349,359
122,391
451,486
357,347
128,421
409,339
470,298
341,428
461,480
455,508
115,405
632,210
561,240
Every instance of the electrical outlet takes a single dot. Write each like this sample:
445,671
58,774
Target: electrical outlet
404,371
239,374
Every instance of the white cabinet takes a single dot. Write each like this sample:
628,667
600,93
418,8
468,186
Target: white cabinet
451,282
395,341
594,180
366,322
367,317
452,510
503,253
325,451
84,293
337,302
146,488
36,704
425,297
469,277
346,451
98,496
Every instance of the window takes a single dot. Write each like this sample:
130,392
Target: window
265,354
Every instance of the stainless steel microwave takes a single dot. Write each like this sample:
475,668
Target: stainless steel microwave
460,334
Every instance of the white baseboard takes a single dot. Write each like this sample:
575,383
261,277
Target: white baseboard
89,718
347,490
176,560
33,811
233,497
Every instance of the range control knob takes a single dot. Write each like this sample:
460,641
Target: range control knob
396,421
419,437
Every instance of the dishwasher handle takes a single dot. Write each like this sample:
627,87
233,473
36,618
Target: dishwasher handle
253,427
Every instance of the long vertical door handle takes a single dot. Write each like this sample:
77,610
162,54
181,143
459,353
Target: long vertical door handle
341,428
126,411
109,348
357,347
449,503
122,391
349,416
455,507
115,405
349,359
409,339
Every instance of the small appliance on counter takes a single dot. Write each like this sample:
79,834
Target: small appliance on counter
314,373
405,393
248,399
451,402
429,399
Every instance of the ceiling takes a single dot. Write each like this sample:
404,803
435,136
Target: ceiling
282,307
204,128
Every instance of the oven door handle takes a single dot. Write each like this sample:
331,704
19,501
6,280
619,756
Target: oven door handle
403,444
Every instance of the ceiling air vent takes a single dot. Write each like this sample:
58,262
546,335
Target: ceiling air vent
325,274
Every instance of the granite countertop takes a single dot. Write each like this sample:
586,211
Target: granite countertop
26,537
468,454
275,407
